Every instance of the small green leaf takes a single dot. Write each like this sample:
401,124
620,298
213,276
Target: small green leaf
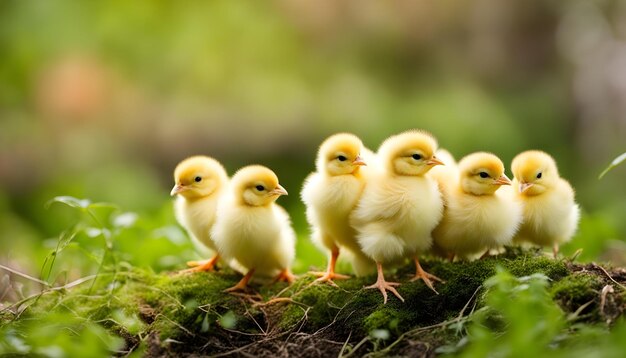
617,161
380,334
229,320
70,201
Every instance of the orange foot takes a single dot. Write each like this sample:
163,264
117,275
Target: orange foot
285,276
329,276
242,284
384,286
425,276
202,266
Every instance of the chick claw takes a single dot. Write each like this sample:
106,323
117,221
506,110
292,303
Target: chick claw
201,266
427,277
384,286
242,284
329,276
285,276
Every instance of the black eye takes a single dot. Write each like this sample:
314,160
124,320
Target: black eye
539,176
416,156
260,187
197,179
483,175
342,158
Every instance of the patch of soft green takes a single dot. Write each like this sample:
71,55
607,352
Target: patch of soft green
576,290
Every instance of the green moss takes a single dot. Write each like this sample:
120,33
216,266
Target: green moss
186,307
576,290
383,318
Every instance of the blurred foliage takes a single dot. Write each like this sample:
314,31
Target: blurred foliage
101,99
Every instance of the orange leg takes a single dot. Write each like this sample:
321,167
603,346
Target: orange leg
424,276
200,266
330,274
384,286
555,250
285,276
242,284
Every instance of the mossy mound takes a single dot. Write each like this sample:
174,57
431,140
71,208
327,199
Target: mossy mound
172,314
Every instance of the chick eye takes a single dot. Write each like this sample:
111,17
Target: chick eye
197,179
539,176
342,158
260,187
483,175
416,156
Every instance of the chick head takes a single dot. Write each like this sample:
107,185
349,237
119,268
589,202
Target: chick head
409,153
256,185
482,174
535,171
340,155
198,177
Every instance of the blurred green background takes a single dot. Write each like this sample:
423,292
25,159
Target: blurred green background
101,99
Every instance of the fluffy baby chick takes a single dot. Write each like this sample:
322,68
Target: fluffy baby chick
199,183
330,195
550,212
400,206
477,215
251,229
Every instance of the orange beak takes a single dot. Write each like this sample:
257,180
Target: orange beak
524,186
435,161
279,190
358,161
502,180
178,188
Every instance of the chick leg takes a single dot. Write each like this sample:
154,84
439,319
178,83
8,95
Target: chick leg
485,255
330,274
285,275
424,276
200,266
242,284
383,285
555,250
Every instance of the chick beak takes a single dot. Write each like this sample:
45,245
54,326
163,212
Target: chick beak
358,161
279,190
178,188
502,180
435,161
524,186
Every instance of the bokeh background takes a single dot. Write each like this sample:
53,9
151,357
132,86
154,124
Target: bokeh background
101,99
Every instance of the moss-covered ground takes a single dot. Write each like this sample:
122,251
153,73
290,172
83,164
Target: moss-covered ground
173,314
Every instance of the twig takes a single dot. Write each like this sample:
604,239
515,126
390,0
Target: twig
356,348
605,291
24,275
52,289
345,344
574,315
609,276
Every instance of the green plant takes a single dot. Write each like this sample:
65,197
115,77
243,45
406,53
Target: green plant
617,161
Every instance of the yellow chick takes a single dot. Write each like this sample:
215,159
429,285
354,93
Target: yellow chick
252,230
400,206
550,212
330,194
199,183
477,216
